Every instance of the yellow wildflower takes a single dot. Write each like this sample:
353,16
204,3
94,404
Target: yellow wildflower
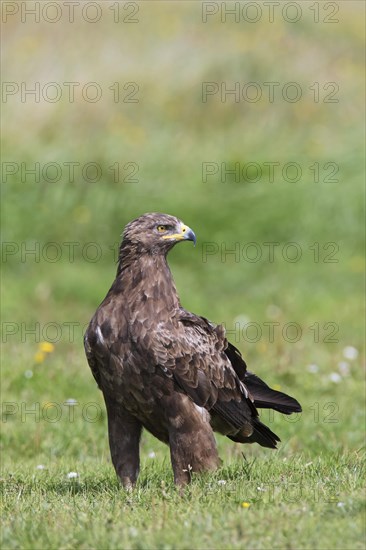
245,504
46,347
39,357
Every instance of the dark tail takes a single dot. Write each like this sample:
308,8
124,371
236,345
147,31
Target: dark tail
266,398
261,434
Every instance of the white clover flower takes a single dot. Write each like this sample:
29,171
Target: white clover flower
72,475
340,504
71,402
335,377
28,374
152,454
351,353
221,482
40,467
343,368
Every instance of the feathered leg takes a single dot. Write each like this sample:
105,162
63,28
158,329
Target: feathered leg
124,432
191,440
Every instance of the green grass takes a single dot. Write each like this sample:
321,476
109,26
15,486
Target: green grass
308,493
307,504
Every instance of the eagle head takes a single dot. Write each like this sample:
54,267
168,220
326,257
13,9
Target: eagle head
156,233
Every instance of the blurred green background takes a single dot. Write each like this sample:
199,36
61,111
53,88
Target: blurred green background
168,134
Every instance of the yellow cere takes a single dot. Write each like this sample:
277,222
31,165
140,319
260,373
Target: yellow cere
180,235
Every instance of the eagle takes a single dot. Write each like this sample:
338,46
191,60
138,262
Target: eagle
165,369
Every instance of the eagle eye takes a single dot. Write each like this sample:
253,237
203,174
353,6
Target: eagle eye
162,228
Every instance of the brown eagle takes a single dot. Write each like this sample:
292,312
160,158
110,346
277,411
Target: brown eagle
165,369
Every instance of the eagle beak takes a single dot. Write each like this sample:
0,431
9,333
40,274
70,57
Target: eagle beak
186,234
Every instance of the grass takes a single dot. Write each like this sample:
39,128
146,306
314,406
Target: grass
307,494
305,504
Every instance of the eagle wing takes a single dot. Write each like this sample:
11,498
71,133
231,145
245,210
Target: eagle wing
195,357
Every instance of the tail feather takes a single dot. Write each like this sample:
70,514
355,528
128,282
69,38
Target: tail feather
266,398
261,434
263,397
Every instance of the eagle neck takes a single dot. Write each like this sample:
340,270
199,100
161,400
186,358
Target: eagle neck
147,278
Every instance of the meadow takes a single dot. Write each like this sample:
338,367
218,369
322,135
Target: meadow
273,189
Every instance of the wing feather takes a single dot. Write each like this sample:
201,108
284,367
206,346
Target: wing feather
196,358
